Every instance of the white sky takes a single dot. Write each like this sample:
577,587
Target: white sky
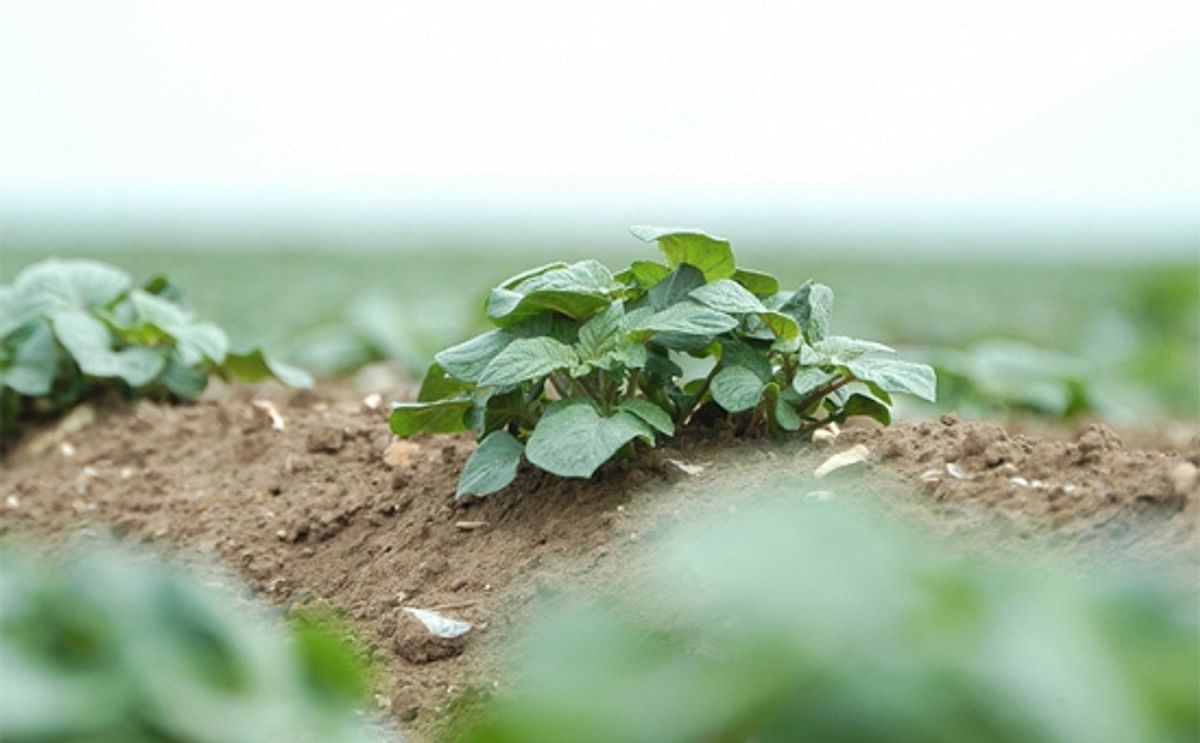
1091,105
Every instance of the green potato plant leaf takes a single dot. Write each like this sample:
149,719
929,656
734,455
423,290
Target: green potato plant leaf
492,466
572,439
584,366
70,329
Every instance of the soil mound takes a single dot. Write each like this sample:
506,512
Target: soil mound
311,499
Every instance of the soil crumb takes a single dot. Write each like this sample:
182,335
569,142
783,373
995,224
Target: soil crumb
312,500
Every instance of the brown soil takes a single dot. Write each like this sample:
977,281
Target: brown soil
314,513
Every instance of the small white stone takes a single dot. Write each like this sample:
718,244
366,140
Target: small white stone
931,475
67,449
685,467
12,502
1019,481
955,471
852,456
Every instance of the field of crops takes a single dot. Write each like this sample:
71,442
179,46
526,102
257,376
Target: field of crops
650,513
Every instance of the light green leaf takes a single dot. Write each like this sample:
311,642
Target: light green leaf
602,333
808,380
14,311
712,255
689,318
650,413
441,416
811,305
759,284
34,361
525,359
894,375
786,416
56,285
89,342
781,325
573,440
820,303
492,466
467,360
196,340
255,366
648,273
729,296
514,281
578,291
184,381
838,349
736,389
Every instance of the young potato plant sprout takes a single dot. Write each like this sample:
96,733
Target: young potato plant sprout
70,328
583,364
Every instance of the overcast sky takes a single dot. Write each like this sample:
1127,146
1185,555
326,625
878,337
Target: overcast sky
1087,107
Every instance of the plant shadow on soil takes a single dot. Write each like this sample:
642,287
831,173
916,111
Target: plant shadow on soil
293,490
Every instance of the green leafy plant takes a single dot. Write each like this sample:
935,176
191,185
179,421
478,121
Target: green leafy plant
110,645
584,363
792,622
999,377
69,328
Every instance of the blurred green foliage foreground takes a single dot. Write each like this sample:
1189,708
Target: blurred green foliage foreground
109,647
808,622
790,621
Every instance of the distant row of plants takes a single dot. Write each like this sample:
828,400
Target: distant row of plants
584,365
70,329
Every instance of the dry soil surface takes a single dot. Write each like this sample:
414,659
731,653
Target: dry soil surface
309,497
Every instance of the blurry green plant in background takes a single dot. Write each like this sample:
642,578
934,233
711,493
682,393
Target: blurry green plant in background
77,328
805,621
109,646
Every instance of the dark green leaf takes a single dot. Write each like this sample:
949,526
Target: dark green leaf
492,466
866,406
573,440
735,353
712,255
650,413
441,416
526,359
736,389
675,287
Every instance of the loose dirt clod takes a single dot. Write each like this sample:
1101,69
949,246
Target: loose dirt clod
370,536
424,636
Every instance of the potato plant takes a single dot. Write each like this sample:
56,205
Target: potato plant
71,328
583,364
